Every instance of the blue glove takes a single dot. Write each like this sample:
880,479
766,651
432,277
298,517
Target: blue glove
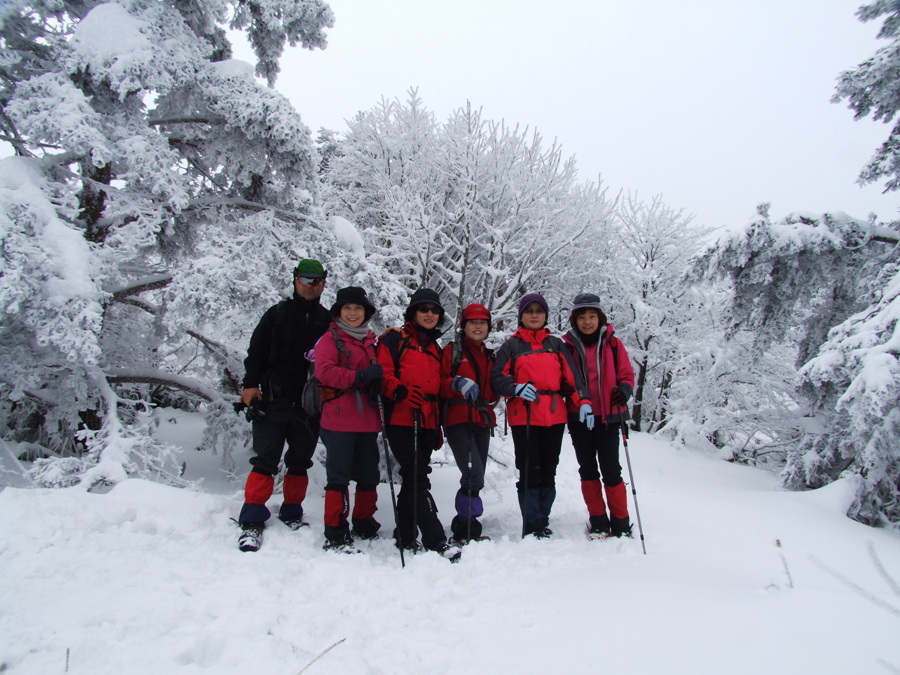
586,416
466,387
526,391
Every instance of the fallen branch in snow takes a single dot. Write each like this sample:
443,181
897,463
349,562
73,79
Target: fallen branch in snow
150,376
889,580
303,670
859,589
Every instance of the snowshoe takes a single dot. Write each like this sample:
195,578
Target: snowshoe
295,524
251,537
341,544
415,546
597,532
462,541
543,533
451,552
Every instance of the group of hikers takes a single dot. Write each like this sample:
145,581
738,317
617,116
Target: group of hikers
407,386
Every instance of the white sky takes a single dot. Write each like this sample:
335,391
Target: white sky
717,105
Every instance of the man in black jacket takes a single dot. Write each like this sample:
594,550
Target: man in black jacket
276,370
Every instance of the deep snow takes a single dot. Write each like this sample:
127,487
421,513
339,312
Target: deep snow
739,577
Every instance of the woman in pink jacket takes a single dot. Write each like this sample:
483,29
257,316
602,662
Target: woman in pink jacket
603,365
344,360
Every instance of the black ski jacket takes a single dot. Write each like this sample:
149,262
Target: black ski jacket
275,359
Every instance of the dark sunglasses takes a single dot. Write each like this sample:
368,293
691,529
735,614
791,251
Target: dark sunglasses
428,309
306,281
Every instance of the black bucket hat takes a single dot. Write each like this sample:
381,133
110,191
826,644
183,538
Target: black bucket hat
424,296
352,295
585,301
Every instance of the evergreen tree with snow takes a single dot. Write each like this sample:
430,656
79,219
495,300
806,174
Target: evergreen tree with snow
158,198
830,285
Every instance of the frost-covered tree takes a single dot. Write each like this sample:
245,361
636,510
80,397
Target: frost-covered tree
873,88
477,210
836,278
158,198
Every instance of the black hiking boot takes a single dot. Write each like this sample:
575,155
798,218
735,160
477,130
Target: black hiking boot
251,537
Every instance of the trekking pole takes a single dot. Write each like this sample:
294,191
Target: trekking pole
469,478
524,493
637,511
390,470
415,509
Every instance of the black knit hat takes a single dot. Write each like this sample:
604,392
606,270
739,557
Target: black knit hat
424,296
352,295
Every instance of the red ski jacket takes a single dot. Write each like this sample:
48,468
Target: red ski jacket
475,363
353,409
602,366
406,362
541,359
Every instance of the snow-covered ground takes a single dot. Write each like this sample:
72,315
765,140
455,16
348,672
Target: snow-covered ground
739,577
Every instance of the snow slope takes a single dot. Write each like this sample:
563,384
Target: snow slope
739,577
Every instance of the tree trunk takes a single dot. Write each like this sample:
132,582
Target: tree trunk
639,395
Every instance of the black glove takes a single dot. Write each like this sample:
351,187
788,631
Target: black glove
373,372
618,397
255,411
400,393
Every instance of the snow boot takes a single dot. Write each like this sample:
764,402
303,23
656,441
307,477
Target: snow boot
257,491
620,527
364,524
598,527
294,491
461,529
340,542
251,537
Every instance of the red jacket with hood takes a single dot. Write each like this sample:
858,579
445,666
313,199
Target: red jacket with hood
418,366
600,372
476,366
541,359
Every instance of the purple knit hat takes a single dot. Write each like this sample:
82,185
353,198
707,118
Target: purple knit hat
533,297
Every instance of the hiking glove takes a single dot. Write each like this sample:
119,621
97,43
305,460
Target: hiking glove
373,372
466,387
400,393
618,397
586,415
526,391
255,411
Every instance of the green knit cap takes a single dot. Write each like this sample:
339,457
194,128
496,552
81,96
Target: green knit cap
311,269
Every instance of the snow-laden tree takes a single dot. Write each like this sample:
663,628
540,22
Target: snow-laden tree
475,209
837,279
157,201
873,88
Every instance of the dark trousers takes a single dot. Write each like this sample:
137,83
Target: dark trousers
597,452
537,456
416,510
284,422
351,456
470,441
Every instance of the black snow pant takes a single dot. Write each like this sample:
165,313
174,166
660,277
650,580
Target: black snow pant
416,510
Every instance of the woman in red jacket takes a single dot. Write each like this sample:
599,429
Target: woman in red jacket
344,362
411,360
534,371
604,366
469,415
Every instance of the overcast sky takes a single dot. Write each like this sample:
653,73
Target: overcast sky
716,105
